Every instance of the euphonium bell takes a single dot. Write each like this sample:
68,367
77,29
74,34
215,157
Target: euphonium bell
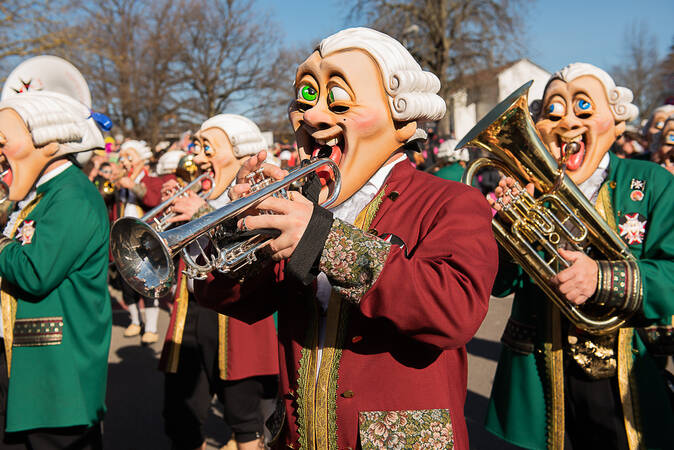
144,257
532,229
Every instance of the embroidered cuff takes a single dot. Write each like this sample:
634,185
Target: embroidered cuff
203,210
352,260
619,287
139,190
4,242
303,263
38,332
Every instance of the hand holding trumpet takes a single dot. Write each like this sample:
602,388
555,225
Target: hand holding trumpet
290,216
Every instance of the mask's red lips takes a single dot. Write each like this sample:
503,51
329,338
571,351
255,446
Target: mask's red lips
333,152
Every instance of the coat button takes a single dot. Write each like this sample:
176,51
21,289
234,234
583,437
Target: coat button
356,339
347,394
394,195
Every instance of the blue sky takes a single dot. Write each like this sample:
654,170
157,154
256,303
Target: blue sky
557,33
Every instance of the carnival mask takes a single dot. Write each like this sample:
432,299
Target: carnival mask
341,111
578,111
214,152
131,162
26,161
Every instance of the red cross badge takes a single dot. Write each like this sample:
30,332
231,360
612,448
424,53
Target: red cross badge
26,232
633,228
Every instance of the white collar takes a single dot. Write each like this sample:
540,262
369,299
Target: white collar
351,207
53,173
590,187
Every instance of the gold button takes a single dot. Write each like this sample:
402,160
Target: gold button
347,394
573,340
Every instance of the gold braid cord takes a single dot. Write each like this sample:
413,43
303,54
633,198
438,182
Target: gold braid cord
6,299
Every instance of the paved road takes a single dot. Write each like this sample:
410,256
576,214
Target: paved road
135,387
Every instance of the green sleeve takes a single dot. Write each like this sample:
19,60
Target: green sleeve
64,228
657,262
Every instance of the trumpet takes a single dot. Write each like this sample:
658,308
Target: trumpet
162,223
144,257
532,229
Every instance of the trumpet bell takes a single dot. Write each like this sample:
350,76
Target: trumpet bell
142,259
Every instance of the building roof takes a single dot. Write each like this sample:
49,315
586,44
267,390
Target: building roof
485,76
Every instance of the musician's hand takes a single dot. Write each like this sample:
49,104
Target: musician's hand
253,163
505,191
291,218
186,206
578,282
169,188
126,182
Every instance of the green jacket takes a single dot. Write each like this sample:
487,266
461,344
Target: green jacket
59,365
520,405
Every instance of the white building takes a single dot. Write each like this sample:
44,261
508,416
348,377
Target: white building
487,88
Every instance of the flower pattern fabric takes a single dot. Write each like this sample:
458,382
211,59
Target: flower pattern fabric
352,260
420,429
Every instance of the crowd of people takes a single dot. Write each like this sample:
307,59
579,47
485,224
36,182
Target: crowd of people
350,326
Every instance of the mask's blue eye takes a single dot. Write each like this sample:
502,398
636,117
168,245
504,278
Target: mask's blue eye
670,139
584,104
556,109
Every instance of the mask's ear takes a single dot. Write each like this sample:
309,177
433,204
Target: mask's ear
50,150
405,130
619,129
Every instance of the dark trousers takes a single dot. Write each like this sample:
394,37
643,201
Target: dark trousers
70,438
594,414
188,392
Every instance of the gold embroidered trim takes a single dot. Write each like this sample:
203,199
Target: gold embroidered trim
628,388
8,301
181,303
37,332
554,362
604,206
223,337
317,387
306,383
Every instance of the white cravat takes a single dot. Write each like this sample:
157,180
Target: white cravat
590,187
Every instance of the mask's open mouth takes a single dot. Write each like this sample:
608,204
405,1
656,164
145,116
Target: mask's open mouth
576,151
334,149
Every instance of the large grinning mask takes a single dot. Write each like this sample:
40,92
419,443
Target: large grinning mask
359,96
582,104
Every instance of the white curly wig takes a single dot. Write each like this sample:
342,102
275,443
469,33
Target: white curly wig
53,117
412,91
243,134
144,151
168,162
619,98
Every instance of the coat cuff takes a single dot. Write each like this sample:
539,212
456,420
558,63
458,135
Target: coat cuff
619,287
352,260
202,211
303,263
139,189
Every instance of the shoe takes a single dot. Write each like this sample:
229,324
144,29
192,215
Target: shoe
149,337
132,330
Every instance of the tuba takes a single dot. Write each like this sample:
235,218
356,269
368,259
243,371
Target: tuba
532,229
144,257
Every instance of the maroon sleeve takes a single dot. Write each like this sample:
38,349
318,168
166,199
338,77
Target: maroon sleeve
438,291
153,186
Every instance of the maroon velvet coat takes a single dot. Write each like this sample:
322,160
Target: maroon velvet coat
402,345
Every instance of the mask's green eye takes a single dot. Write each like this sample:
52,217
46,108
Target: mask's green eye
337,94
307,93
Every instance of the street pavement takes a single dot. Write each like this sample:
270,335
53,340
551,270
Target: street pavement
135,387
